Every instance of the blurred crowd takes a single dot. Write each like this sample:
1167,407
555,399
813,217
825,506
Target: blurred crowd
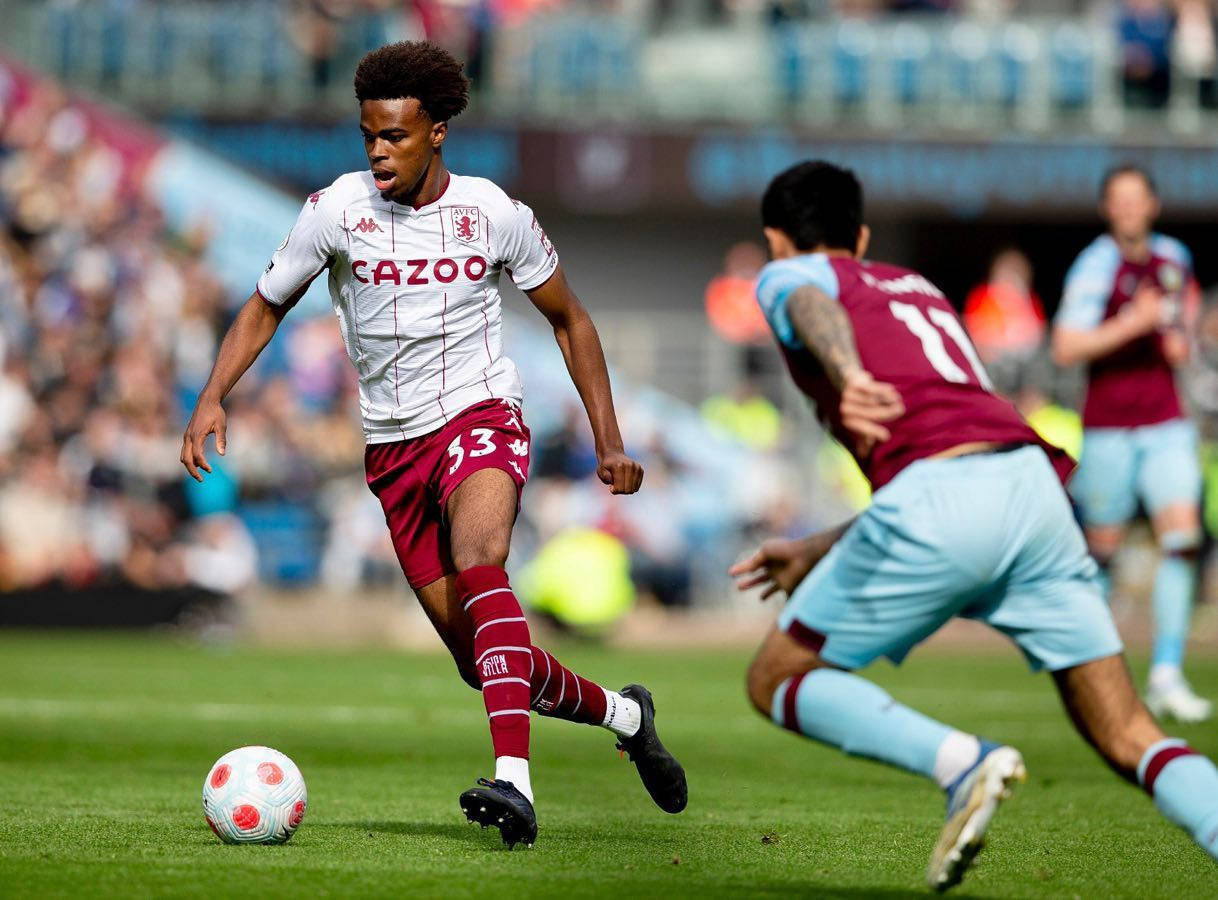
110,323
104,317
1155,37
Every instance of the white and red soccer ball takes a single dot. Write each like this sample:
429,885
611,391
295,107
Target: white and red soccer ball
254,795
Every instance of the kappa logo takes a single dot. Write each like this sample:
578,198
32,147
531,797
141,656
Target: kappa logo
513,412
516,468
519,447
541,236
313,198
467,223
364,226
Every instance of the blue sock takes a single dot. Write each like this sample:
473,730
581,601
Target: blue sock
1173,606
856,716
1184,785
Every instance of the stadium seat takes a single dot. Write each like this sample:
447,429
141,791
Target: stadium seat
854,45
1071,60
289,540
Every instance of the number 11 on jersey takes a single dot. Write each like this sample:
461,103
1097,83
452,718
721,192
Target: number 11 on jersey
932,341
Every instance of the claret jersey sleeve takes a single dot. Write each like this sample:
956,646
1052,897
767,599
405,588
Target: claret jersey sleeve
779,279
302,256
524,250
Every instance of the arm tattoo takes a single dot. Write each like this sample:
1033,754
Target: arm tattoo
823,326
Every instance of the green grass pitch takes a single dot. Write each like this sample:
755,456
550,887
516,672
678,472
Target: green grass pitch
105,741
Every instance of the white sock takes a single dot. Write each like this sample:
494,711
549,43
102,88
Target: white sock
957,752
1165,675
623,716
515,770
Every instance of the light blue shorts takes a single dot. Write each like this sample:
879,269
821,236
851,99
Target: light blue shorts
988,537
1157,464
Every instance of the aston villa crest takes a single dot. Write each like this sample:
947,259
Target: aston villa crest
467,224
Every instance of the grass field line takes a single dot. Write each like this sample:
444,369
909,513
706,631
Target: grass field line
110,708
347,714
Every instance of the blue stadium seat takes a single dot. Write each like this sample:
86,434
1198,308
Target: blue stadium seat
1017,53
910,53
289,538
967,49
791,61
1072,62
853,47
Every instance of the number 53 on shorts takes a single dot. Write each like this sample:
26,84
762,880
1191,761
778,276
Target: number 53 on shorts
499,441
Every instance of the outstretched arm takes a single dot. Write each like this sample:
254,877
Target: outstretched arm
244,340
780,564
823,327
581,349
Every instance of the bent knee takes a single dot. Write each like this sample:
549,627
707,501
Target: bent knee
1184,543
1104,542
469,676
489,552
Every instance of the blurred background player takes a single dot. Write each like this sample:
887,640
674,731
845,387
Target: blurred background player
414,255
969,519
1124,312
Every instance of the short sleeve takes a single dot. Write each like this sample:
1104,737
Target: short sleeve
1175,251
1088,287
304,253
524,249
780,279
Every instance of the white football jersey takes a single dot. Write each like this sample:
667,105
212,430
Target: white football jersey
416,292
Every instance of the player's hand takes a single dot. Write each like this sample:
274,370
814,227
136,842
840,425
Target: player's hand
779,564
866,404
1144,311
208,418
619,471
1175,347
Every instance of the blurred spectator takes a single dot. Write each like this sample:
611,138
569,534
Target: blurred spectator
731,302
580,578
315,29
1145,31
744,415
1057,424
1004,317
566,453
1193,47
653,529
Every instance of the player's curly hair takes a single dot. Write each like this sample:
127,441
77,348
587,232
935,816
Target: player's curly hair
817,204
417,69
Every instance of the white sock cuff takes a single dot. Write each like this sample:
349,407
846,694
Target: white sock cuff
957,752
1165,672
623,716
515,770
1154,749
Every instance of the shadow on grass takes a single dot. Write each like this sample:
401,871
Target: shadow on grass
451,830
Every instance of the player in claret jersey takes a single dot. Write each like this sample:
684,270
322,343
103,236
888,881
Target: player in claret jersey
969,519
1123,313
414,255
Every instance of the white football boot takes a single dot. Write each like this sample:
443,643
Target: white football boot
972,801
1170,696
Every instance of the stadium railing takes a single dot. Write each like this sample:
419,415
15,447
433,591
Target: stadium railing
907,73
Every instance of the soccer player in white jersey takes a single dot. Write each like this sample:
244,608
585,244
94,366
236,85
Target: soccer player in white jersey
414,255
